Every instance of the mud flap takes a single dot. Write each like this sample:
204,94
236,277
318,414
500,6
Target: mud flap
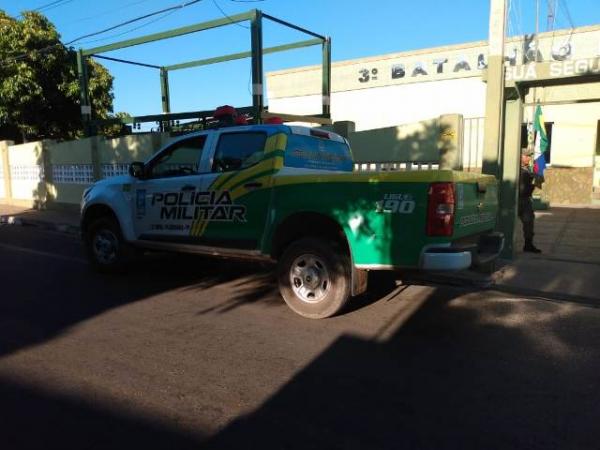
360,279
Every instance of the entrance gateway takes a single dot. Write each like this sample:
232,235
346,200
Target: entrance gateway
508,91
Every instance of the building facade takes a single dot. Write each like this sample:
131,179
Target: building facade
407,87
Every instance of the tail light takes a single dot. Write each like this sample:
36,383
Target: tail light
440,209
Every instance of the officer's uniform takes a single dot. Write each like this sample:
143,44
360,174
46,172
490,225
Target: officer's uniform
526,186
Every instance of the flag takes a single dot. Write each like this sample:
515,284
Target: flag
541,143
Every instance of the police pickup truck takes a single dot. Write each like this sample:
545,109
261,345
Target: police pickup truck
288,194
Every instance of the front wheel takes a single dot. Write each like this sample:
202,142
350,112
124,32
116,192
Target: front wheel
314,278
105,247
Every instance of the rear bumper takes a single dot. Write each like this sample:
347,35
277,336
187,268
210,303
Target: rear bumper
445,258
463,256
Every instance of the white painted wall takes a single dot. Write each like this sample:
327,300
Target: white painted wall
394,105
25,159
2,190
388,101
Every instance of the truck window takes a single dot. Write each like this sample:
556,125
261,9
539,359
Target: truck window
238,150
308,152
180,159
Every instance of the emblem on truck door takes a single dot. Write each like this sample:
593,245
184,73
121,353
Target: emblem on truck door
140,202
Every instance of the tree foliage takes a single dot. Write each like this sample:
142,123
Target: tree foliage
39,86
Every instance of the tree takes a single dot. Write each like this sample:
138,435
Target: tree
39,86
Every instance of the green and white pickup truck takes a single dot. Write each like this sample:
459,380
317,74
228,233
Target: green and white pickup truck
288,194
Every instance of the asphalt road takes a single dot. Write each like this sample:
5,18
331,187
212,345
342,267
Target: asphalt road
187,352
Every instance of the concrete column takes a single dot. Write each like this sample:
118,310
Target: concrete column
6,166
95,157
344,128
450,141
509,172
495,88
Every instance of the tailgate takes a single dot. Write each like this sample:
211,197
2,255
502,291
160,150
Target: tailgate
476,204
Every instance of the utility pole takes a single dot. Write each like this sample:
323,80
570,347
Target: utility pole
552,9
537,29
502,133
537,17
494,105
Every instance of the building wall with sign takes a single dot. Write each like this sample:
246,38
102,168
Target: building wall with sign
407,87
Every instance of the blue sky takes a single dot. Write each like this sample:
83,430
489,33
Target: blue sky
357,28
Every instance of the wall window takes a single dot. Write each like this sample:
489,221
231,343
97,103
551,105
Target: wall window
237,151
180,159
310,152
548,132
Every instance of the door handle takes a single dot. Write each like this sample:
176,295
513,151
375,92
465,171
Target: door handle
188,187
253,185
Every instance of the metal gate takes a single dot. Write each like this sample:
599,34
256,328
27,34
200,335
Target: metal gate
472,146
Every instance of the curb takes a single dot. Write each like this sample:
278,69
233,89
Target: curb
593,301
65,228
493,282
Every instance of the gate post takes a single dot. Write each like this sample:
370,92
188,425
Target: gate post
6,170
509,170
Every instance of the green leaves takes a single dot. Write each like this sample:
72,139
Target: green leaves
39,87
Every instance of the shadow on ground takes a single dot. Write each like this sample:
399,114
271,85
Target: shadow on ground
569,265
47,298
34,419
456,375
463,370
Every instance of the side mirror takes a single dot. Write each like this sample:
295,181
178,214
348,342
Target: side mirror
136,169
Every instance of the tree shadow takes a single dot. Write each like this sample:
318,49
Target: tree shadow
423,141
54,297
459,370
251,285
63,295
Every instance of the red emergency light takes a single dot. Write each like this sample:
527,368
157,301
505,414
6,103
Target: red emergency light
274,121
225,110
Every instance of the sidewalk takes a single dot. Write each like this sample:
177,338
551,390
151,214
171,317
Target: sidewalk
568,268
569,264
55,220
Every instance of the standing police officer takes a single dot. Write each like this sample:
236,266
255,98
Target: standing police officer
526,186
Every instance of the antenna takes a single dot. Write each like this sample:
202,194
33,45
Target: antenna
552,9
537,18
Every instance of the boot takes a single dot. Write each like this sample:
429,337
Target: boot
530,248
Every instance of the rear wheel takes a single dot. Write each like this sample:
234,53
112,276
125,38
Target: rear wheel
105,247
314,278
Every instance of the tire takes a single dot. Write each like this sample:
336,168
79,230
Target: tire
314,278
487,268
106,249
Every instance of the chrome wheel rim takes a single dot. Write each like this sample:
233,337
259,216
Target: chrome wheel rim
309,278
105,245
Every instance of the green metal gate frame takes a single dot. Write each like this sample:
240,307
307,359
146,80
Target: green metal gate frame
256,54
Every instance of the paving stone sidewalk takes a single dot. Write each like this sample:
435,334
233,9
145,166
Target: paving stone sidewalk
64,221
569,264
